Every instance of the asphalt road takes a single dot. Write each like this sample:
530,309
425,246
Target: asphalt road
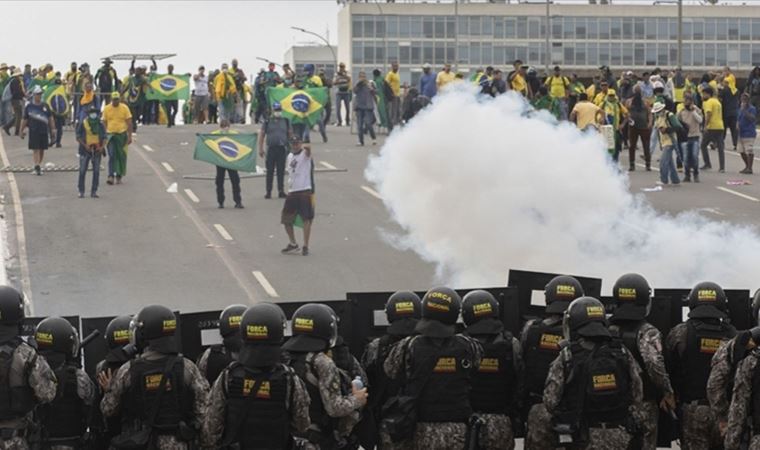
139,244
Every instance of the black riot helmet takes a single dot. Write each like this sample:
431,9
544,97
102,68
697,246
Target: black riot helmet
756,308
229,320
707,301
585,317
315,329
403,310
440,310
117,332
262,330
57,335
480,312
632,296
560,291
154,325
11,312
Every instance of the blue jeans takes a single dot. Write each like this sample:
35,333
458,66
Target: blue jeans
667,166
691,156
365,118
343,98
84,161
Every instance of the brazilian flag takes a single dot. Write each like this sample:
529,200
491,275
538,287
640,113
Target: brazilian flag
55,97
43,84
382,107
299,105
168,87
231,151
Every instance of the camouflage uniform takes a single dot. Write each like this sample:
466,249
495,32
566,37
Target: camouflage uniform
741,404
86,392
428,435
369,359
111,403
599,438
43,383
719,385
699,427
212,428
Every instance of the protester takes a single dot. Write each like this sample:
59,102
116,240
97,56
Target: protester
224,128
616,115
547,102
394,102
713,132
444,77
91,135
753,87
87,100
106,80
342,81
691,116
574,90
118,120
201,97
300,199
497,85
38,118
172,106
428,86
364,105
639,128
663,125
238,77
747,132
226,93
517,81
276,132
586,114
18,93
558,86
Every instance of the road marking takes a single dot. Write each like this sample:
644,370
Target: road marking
372,192
712,211
328,165
147,148
168,167
192,196
265,284
223,231
20,236
738,194
643,166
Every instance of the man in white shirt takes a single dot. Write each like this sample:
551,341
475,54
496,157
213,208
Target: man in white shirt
300,199
201,95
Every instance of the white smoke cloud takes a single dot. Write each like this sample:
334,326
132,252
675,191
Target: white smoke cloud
479,188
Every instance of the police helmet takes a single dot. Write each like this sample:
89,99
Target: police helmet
154,325
229,320
11,312
315,329
117,332
57,335
632,296
756,307
585,317
262,329
440,310
403,310
480,312
560,291
707,301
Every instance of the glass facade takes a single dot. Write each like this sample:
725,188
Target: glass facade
575,41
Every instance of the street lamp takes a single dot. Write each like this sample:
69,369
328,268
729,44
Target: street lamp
322,38
268,61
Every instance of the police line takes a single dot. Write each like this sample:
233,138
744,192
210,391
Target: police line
362,316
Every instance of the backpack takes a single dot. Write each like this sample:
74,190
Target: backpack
682,130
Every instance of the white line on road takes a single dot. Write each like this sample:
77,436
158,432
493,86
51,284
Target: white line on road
192,196
328,165
223,231
730,152
372,192
147,148
168,167
20,236
738,194
265,284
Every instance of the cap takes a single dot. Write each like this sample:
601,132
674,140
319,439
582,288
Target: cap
426,66
658,85
36,90
16,72
115,95
658,107
3,66
629,73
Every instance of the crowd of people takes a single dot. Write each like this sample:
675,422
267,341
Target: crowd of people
578,377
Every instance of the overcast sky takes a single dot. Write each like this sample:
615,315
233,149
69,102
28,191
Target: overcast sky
199,32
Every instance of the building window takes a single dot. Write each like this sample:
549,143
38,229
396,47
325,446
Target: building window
427,52
580,27
733,29
522,27
510,28
475,53
380,54
556,53
592,54
604,53
474,25
638,55
357,52
627,28
369,27
569,54
673,27
699,29
604,28
417,53
557,28
627,54
580,54
569,28
615,54
486,54
534,53
651,28
745,55
686,56
756,33
404,54
534,28
662,29
755,53
380,27
427,27
662,55
369,53
688,27
464,53
451,27
592,28
393,51
416,31
732,55
440,53
404,26
698,55
499,54
745,29
650,55
722,28
357,26
440,27
639,28
451,50
487,26
673,50
710,29
710,55
616,25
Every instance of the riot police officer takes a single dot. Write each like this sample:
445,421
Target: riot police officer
437,366
218,356
64,421
27,379
160,394
690,347
257,402
403,311
315,331
496,385
593,389
632,296
540,340
744,411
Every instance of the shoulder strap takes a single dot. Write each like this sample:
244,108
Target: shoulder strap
426,371
161,388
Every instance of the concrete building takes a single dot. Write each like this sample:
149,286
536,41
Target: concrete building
320,55
583,37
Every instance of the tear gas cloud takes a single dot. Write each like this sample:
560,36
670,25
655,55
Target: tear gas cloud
479,187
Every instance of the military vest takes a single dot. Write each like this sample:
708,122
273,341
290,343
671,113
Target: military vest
16,396
541,348
493,386
702,341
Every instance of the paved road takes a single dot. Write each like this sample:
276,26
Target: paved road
138,244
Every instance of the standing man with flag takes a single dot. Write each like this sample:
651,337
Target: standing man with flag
171,105
118,123
226,93
300,199
224,128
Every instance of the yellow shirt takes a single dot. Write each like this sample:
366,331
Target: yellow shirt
116,118
713,107
730,81
601,97
316,81
662,122
394,81
585,114
443,78
518,84
220,88
557,86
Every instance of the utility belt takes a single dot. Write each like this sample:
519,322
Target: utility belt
7,434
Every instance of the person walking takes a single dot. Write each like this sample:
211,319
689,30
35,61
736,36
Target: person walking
276,132
394,102
663,125
118,123
18,94
729,99
38,118
558,86
224,128
427,82
342,82
713,128
200,99
226,93
364,105
300,198
691,116
639,128
87,100
91,135
747,118
172,106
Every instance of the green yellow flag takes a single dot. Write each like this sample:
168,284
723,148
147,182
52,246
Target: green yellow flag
382,110
299,105
54,95
231,151
168,87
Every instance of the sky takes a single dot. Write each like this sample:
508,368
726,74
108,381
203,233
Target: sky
199,32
